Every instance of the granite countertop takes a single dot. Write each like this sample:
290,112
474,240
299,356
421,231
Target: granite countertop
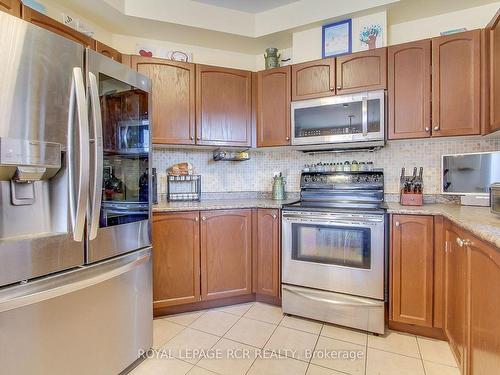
478,220
220,204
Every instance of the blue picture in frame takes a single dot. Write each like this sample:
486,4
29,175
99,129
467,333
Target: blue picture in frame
337,38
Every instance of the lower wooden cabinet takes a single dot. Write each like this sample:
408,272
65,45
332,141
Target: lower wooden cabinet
484,276
412,261
226,253
456,294
267,255
176,258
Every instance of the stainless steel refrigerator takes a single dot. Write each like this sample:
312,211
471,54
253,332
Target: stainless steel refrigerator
75,246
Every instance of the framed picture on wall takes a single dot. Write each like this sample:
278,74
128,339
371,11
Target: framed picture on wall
337,38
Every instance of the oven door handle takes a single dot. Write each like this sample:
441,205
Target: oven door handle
363,303
292,217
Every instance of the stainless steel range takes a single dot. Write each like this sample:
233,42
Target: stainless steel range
334,250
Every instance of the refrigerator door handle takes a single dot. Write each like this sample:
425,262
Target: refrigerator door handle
78,195
96,195
58,288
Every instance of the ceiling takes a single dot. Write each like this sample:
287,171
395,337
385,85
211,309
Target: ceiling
248,6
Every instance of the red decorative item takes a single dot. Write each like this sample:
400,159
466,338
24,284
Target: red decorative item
145,53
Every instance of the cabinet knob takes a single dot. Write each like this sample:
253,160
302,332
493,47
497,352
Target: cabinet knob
397,223
339,87
287,138
198,138
274,216
191,138
460,242
332,88
427,129
436,127
203,218
196,219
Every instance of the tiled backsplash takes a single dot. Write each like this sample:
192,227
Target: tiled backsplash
256,174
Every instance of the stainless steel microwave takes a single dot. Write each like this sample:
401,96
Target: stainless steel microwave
340,120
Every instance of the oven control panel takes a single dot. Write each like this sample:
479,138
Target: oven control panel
333,180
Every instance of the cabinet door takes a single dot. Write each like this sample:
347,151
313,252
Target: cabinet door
173,99
268,252
362,71
226,253
456,78
409,90
12,7
51,24
484,307
313,79
273,96
412,261
107,51
493,68
176,258
456,294
223,106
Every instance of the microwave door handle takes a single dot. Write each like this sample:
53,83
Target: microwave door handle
364,109
98,157
78,195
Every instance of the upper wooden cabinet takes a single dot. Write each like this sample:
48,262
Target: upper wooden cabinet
409,90
313,79
176,258
223,106
50,24
456,78
226,253
362,71
412,262
456,294
492,74
12,7
273,108
484,278
173,98
107,51
268,252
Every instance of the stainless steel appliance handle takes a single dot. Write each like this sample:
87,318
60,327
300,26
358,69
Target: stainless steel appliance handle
30,298
364,121
78,200
332,219
364,303
98,157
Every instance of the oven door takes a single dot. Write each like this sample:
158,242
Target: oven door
338,252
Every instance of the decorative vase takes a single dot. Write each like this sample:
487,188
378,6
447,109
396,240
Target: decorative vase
272,58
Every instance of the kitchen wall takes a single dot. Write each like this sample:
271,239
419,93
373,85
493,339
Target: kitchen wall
256,174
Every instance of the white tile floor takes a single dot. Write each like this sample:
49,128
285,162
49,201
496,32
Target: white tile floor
257,339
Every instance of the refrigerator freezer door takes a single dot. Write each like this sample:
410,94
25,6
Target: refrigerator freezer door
94,320
119,215
43,172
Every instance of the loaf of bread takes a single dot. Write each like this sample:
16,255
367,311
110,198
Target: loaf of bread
181,169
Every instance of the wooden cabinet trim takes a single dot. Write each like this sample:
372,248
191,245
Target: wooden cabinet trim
13,7
273,129
246,115
56,27
413,100
491,75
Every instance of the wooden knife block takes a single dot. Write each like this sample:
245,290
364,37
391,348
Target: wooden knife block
411,199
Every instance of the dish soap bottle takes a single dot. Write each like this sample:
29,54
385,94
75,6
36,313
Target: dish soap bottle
278,187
